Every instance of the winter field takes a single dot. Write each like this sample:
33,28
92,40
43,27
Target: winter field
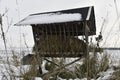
11,68
102,65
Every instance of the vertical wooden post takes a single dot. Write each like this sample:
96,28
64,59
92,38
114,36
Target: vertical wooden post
87,49
38,58
86,38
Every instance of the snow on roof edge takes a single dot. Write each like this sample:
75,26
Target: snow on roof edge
50,18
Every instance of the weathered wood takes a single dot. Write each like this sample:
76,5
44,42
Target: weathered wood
51,62
56,70
56,46
87,50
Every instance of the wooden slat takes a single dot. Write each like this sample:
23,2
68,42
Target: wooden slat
58,54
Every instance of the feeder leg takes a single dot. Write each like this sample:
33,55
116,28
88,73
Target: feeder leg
40,67
87,50
40,59
40,70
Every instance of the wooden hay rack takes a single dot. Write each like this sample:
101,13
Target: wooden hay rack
56,33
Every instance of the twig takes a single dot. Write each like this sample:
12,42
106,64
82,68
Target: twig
26,43
51,62
3,35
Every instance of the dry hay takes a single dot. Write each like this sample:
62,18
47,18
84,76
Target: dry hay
60,44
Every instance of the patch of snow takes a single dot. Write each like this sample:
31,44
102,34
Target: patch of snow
106,75
5,69
38,78
43,67
89,12
50,18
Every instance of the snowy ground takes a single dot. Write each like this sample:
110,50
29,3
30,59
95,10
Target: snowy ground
17,70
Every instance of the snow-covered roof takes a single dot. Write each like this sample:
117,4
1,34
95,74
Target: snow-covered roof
50,18
70,15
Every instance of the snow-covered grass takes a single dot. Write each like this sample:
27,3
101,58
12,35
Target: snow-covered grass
9,69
